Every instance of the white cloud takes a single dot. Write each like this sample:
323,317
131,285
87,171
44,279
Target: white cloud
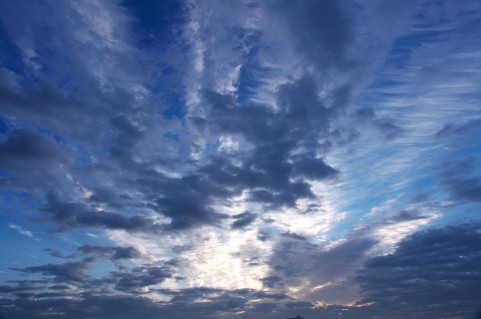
23,231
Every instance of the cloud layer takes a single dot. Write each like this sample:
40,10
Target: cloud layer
249,159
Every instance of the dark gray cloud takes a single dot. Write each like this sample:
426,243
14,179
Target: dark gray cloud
384,125
291,235
221,303
64,95
296,261
388,129
55,253
67,272
72,102
284,140
434,273
450,130
108,196
270,168
406,215
184,304
80,306
58,287
24,149
114,253
465,188
462,179
364,114
420,278
313,168
187,201
271,281
126,136
264,235
271,173
75,215
47,106
139,277
20,287
243,220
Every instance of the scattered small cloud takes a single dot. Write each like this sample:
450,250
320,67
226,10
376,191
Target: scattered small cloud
23,231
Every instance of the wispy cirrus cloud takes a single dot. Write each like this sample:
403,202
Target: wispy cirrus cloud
23,231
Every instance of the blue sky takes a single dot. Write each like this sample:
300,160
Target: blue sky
240,159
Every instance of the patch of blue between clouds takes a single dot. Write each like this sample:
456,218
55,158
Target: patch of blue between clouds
156,22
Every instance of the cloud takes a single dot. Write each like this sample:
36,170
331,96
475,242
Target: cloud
313,168
187,201
420,277
284,135
139,277
291,235
63,273
282,142
384,125
115,253
23,149
33,159
272,173
452,129
271,281
387,128
314,271
462,180
73,215
407,215
89,304
217,139
48,107
55,253
424,274
108,196
23,231
243,220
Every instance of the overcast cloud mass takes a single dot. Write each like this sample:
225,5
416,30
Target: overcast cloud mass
240,159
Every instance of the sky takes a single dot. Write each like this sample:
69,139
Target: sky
240,159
